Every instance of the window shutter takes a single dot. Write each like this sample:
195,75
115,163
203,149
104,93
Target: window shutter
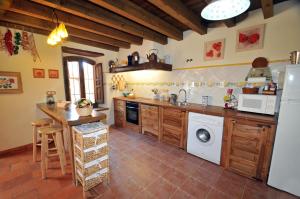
98,83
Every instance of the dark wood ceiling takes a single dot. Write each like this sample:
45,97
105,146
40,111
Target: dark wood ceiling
114,24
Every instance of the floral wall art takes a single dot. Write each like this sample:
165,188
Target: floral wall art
214,50
53,74
10,82
250,38
38,73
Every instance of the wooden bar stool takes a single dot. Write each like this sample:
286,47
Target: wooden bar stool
56,133
37,124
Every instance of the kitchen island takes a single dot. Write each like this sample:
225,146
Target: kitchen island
68,117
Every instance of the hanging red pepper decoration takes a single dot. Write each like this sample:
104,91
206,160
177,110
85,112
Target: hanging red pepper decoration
8,42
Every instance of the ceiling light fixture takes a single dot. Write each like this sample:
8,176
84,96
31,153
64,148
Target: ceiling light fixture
58,34
224,9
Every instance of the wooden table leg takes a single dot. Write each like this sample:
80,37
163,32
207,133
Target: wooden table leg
66,138
71,154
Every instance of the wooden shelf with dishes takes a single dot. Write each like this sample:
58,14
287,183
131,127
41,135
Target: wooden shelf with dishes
143,66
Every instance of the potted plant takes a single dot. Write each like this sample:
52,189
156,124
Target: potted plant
84,107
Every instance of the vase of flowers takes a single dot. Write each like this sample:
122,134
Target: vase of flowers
84,107
230,101
156,93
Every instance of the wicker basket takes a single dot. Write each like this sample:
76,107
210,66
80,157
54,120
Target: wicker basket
91,139
90,154
84,111
92,180
91,167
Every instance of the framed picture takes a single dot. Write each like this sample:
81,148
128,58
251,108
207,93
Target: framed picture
250,38
52,73
10,82
38,73
214,50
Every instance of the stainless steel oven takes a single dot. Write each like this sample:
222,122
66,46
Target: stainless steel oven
132,112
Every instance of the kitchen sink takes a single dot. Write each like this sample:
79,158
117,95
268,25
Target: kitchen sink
181,104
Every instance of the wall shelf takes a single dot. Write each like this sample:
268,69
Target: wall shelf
143,66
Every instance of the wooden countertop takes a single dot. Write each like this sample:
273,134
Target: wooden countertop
210,110
69,115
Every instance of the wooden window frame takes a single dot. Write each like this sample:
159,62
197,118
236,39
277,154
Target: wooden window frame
80,60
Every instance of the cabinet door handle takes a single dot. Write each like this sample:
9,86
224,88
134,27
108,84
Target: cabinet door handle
233,121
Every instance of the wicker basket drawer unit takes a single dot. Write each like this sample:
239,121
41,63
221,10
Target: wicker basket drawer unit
93,180
91,154
92,167
86,136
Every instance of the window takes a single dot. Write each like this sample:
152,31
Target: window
83,79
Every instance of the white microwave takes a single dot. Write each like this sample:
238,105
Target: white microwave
264,104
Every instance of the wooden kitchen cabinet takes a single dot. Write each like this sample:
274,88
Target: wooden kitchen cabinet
150,119
248,147
173,126
119,113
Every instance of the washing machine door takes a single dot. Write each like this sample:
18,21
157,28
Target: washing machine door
203,135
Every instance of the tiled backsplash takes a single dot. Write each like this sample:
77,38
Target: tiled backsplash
199,82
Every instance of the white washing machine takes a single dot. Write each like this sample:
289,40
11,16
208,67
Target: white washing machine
205,134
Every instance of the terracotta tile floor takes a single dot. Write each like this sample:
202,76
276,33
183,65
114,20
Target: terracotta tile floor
140,168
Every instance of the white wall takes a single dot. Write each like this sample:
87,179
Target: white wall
281,37
18,110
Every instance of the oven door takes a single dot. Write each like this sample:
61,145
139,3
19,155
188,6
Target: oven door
132,114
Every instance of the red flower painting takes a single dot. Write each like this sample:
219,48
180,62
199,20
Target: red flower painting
214,50
250,38
38,73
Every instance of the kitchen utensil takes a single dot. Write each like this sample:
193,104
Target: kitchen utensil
50,97
152,56
129,57
295,57
260,62
260,69
173,99
135,58
204,100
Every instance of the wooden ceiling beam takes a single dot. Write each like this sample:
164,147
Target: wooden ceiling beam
179,11
43,12
46,33
4,5
76,51
138,14
267,8
46,25
100,15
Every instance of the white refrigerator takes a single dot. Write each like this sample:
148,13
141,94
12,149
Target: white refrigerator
285,164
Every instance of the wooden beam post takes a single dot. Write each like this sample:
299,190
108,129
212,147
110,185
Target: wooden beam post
138,14
100,15
42,12
267,8
179,11
46,25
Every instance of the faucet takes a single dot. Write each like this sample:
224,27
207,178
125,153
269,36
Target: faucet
185,101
